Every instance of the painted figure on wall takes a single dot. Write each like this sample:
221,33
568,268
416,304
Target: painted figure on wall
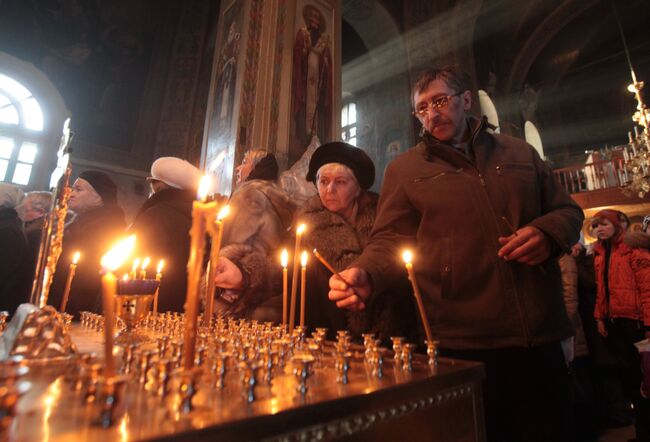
226,79
311,83
219,155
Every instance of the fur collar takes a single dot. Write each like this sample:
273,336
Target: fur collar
339,242
638,240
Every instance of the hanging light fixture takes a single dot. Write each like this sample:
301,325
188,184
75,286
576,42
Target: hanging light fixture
637,152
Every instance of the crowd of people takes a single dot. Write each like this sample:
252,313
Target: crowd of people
504,277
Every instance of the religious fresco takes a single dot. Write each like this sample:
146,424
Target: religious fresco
220,142
97,54
312,81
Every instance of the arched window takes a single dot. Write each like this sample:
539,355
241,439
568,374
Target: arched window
533,138
32,113
488,109
349,123
21,121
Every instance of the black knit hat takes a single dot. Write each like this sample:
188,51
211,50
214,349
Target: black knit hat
266,169
102,183
346,154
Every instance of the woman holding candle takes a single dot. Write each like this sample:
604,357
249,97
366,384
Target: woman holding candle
258,225
340,219
98,222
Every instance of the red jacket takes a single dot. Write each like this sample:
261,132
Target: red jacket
629,282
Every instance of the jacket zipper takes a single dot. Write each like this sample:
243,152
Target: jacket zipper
435,177
522,314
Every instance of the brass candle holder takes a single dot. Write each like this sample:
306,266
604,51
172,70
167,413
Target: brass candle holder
132,304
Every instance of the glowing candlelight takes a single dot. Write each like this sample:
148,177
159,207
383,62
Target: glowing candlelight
125,277
216,232
204,188
303,286
159,269
284,261
143,269
407,256
68,282
111,262
134,268
294,276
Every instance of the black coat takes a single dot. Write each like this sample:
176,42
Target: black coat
162,226
15,269
91,233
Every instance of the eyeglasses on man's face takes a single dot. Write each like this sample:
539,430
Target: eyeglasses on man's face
435,103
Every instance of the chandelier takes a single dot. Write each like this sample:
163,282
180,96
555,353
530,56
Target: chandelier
637,153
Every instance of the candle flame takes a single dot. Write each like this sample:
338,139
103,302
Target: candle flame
161,264
125,277
145,263
75,258
301,228
223,213
204,187
118,254
136,264
284,258
303,258
407,256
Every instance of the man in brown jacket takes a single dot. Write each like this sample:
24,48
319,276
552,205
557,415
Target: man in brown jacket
491,294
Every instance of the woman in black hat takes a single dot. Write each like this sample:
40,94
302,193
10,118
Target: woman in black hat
98,223
339,221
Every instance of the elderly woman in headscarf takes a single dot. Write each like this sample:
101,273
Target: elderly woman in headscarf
259,220
97,224
339,221
15,268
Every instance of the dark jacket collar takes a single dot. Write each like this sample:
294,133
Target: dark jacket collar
7,213
167,196
432,147
107,213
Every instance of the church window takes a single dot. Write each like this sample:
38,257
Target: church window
349,123
21,124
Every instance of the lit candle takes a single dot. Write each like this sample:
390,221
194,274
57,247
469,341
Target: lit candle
216,232
201,211
134,268
303,284
294,276
143,269
284,261
161,264
407,256
125,277
636,132
110,262
68,282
